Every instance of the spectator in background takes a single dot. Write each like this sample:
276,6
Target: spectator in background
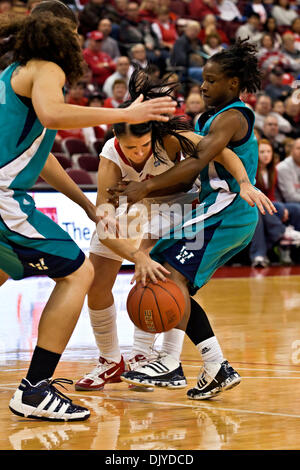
165,29
93,12
228,11
212,45
123,71
269,56
251,30
209,26
270,132
136,31
6,6
283,13
288,143
139,56
295,30
276,89
76,95
256,6
109,44
194,106
121,7
181,24
291,53
263,109
148,10
187,52
119,94
92,134
289,175
100,63
168,4
270,27
198,9
276,228
292,114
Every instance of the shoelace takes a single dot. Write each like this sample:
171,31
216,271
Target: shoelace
60,381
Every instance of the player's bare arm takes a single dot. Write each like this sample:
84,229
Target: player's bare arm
47,97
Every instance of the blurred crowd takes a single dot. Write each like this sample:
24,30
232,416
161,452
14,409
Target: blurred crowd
174,39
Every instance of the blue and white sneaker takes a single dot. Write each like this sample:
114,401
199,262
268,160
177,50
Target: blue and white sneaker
213,379
164,371
44,401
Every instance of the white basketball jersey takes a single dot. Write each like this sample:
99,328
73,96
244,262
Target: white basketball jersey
153,167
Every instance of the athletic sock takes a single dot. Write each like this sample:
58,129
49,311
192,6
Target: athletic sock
210,350
42,365
142,343
200,332
104,324
173,342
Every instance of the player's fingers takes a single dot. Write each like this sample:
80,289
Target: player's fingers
152,276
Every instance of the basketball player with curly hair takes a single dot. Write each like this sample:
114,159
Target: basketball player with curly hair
45,53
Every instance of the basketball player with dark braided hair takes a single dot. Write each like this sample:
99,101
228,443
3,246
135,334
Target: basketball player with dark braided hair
137,153
224,222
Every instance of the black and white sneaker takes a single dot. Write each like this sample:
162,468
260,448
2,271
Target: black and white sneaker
44,401
214,378
164,371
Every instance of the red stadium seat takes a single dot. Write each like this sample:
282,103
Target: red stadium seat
86,161
80,176
71,146
63,160
57,147
97,145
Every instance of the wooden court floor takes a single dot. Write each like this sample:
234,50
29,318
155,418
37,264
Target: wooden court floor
256,320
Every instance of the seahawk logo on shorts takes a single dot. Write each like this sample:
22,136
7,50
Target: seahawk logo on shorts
184,255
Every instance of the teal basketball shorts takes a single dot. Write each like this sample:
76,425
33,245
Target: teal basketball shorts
37,246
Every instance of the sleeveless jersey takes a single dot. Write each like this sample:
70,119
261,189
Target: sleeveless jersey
158,208
24,143
214,177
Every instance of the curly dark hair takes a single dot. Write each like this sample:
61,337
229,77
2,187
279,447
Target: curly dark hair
141,83
240,60
48,33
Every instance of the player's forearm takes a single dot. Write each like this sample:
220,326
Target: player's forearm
55,176
69,116
184,172
233,165
123,248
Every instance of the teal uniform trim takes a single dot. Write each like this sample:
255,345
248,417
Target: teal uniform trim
227,224
30,242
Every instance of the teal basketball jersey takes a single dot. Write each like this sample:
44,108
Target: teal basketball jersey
24,143
215,178
30,242
223,223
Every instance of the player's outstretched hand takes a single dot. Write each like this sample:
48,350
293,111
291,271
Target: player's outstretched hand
255,197
133,191
145,267
157,109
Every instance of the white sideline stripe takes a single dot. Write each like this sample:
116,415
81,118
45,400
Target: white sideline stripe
171,404
248,368
257,377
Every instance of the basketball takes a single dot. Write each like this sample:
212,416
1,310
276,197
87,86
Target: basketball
156,307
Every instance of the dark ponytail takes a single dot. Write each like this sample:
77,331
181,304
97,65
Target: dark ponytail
141,83
240,60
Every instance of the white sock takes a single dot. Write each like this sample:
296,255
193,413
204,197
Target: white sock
210,350
142,342
173,342
104,324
